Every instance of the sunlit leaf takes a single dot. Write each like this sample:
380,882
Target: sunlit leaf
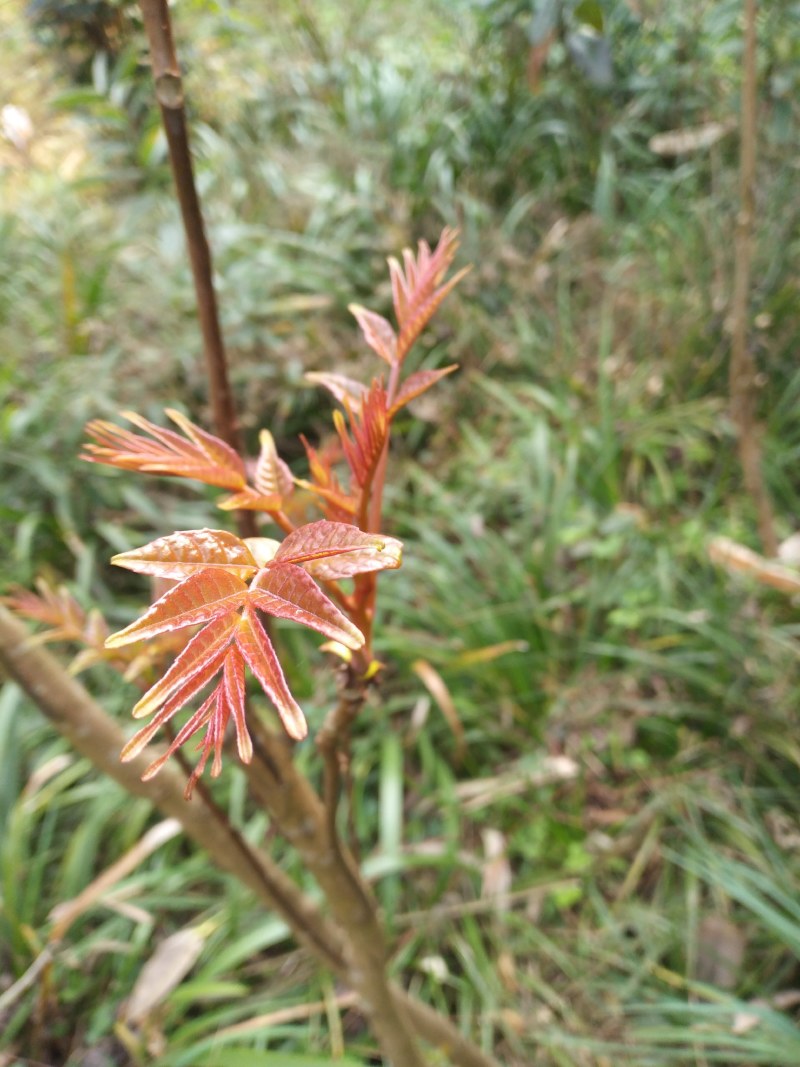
332,550
290,593
203,596
257,650
188,551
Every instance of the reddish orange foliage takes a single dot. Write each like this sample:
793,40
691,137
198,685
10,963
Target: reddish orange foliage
214,592
225,581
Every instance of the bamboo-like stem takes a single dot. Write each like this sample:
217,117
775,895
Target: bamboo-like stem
97,736
742,370
169,93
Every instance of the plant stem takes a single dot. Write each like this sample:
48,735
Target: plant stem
332,738
305,821
97,736
169,93
743,378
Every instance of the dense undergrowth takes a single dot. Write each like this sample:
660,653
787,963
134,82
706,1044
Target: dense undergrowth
577,791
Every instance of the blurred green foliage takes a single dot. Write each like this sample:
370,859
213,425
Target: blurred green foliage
556,500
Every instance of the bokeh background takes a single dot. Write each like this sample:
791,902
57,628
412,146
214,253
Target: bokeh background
577,791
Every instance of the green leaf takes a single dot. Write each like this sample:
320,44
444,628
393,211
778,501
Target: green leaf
590,13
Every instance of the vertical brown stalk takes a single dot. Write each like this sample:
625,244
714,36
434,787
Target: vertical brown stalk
742,371
169,93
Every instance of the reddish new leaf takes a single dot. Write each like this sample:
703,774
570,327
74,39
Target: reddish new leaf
333,550
250,500
345,390
203,457
416,384
203,596
369,426
142,738
209,709
417,289
261,659
378,333
192,664
188,551
217,452
416,280
338,505
227,700
423,311
263,549
272,474
272,482
287,591
214,592
179,698
235,694
56,608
